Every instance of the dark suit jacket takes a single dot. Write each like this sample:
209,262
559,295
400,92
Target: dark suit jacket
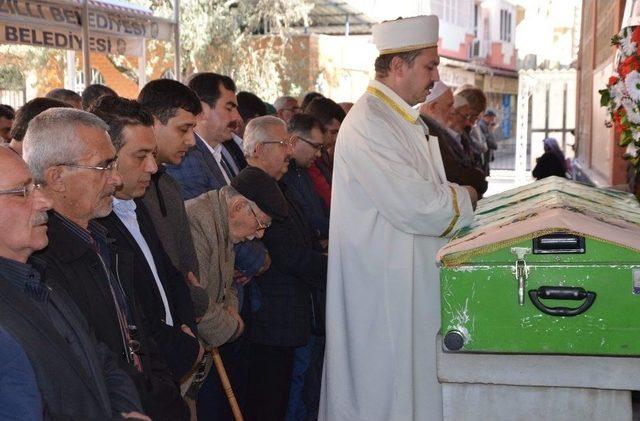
198,172
78,270
236,153
458,168
297,265
69,391
179,349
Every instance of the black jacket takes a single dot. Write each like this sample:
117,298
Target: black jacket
179,349
547,165
297,264
78,270
69,390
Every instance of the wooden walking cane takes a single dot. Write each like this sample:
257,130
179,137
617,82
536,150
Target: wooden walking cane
226,385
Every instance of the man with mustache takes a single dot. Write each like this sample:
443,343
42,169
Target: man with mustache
65,363
282,321
81,177
208,165
392,209
160,287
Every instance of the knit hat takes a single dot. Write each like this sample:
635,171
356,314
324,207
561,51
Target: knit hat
259,187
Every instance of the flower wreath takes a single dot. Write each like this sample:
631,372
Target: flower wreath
622,94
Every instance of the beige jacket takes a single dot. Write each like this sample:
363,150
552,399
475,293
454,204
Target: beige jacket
208,220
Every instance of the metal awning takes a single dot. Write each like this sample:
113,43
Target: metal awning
336,18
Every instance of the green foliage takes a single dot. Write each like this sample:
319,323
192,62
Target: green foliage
243,39
11,77
605,97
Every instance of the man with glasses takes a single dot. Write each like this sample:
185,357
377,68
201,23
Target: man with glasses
79,168
309,135
436,112
468,103
66,148
282,320
220,219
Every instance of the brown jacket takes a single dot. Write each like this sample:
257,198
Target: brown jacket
209,224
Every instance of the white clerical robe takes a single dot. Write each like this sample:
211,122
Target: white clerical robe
391,211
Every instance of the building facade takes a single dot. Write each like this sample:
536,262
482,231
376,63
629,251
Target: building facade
599,159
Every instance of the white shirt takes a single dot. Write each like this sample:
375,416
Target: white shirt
126,211
391,210
217,155
237,139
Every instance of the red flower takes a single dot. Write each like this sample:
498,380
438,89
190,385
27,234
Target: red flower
629,64
613,80
635,36
617,120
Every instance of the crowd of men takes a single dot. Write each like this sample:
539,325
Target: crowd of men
136,235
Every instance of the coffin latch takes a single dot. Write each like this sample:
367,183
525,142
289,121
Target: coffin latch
521,270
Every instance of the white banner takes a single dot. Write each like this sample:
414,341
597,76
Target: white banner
120,23
53,37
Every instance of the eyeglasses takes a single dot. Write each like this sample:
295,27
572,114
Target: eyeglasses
111,165
24,191
316,146
287,143
261,226
468,117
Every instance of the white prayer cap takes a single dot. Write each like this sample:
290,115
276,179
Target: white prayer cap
438,89
400,35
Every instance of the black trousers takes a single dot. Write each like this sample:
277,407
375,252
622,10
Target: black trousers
270,369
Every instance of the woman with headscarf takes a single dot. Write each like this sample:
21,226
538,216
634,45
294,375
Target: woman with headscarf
552,162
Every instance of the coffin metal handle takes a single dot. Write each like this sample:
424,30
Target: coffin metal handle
562,293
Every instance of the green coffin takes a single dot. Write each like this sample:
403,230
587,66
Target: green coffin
550,268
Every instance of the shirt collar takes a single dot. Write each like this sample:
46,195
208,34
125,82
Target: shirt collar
25,276
393,101
124,206
215,150
77,230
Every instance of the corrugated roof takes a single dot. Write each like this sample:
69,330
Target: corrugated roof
334,17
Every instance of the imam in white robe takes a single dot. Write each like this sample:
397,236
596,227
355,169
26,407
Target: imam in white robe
392,209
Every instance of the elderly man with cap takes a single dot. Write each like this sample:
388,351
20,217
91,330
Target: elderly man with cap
392,209
219,219
436,112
